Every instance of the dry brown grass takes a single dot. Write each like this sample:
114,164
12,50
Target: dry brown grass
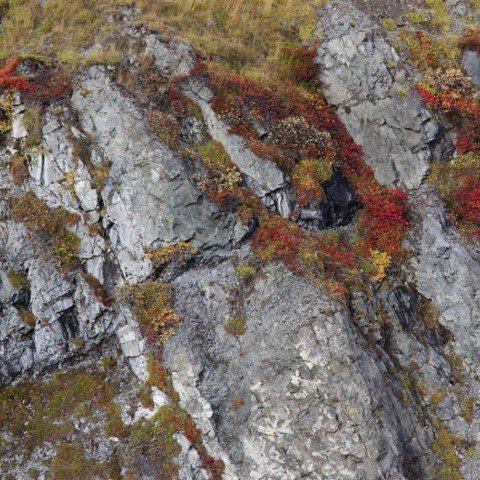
244,34
239,32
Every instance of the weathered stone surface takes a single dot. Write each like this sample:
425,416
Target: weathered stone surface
447,273
308,386
171,58
471,64
148,198
261,175
360,73
312,389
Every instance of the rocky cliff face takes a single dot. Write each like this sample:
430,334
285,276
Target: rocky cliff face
163,313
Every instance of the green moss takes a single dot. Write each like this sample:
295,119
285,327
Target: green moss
246,271
235,326
35,412
33,122
214,156
152,445
6,110
389,24
416,17
114,426
49,224
16,279
70,463
445,447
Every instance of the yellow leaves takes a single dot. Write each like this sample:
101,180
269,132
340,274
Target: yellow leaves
6,109
178,253
381,261
307,178
151,303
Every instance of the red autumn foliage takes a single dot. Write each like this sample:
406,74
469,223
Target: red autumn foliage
49,86
385,221
448,102
335,252
186,426
45,85
8,81
430,100
469,137
181,105
470,41
301,65
467,200
389,221
280,240
214,466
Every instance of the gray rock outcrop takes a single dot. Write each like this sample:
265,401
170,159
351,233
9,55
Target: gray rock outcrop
362,76
307,387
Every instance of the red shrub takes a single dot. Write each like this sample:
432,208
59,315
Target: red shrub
384,222
214,466
185,425
430,100
301,66
470,41
278,239
49,86
336,252
45,85
467,199
469,137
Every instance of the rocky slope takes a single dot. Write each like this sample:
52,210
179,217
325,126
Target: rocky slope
115,224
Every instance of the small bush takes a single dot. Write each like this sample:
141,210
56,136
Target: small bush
389,24
307,178
223,181
174,254
235,326
19,169
151,303
100,175
165,127
381,261
16,279
246,271
28,317
470,41
416,17
50,224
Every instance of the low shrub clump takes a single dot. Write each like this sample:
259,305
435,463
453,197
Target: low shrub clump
173,254
459,185
34,412
151,303
222,181
235,326
50,225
